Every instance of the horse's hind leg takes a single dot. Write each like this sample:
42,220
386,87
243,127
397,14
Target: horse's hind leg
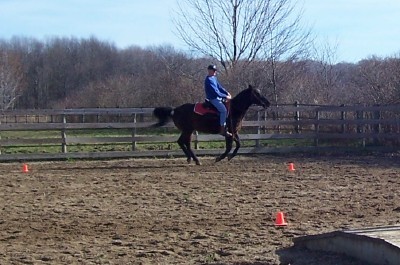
190,151
182,144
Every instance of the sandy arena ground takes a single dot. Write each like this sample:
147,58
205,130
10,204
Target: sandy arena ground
164,211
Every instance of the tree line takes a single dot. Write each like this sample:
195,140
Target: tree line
90,73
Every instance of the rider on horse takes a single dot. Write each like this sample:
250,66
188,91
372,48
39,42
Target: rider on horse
215,94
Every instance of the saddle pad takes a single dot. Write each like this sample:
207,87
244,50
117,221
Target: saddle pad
201,110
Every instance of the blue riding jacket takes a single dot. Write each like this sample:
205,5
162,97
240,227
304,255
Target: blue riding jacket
214,89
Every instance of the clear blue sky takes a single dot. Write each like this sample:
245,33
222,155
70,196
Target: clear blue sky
360,28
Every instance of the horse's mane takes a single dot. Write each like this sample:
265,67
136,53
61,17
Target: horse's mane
242,100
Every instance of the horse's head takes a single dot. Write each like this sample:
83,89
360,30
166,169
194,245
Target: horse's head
258,99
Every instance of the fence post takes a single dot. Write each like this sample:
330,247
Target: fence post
196,141
265,121
134,133
0,139
297,117
343,117
360,127
316,139
377,127
258,128
64,135
275,116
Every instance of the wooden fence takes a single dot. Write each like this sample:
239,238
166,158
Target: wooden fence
278,129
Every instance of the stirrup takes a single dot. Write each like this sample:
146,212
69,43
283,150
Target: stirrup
226,133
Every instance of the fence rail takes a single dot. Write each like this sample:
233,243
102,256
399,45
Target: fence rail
345,127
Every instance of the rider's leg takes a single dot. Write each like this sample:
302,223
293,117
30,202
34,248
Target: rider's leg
222,116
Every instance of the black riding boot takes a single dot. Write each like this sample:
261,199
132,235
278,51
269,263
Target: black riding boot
224,132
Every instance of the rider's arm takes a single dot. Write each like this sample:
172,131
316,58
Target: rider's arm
213,89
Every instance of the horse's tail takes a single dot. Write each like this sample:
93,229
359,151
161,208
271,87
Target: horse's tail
163,114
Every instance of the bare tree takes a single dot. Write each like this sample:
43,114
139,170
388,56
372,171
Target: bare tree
235,30
325,74
237,33
379,80
10,79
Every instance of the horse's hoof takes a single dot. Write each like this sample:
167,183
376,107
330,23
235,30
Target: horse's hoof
218,159
198,163
189,160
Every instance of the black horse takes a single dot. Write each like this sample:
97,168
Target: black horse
187,121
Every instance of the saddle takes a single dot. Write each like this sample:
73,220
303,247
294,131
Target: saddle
203,108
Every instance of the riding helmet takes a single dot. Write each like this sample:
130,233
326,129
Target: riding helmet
212,67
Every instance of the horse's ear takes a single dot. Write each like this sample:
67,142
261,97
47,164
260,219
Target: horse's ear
250,87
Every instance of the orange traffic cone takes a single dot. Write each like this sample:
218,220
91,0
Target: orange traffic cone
291,167
25,168
280,219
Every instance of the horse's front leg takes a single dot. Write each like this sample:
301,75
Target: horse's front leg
237,143
228,148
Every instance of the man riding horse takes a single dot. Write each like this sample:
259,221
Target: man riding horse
216,94
187,120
